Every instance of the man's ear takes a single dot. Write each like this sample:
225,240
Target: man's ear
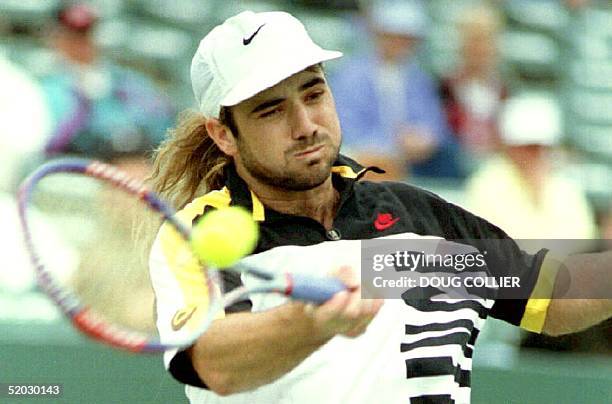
222,136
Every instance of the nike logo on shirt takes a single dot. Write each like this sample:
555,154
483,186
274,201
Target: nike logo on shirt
384,221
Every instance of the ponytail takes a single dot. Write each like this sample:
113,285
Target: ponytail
188,163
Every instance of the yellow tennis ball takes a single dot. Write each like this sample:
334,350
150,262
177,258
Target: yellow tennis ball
223,236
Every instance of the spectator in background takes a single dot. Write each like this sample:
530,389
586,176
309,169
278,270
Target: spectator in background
388,105
25,122
518,188
99,109
473,95
105,111
577,4
24,125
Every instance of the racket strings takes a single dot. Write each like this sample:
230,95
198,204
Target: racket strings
93,220
90,229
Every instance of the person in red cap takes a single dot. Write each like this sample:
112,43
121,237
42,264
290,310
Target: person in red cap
99,109
72,36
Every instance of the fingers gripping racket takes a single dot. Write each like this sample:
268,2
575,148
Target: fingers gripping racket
91,202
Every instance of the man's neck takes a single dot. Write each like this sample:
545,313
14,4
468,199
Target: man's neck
320,203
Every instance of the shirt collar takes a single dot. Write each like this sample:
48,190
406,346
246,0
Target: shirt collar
345,172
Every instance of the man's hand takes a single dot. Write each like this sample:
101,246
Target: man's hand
246,350
346,313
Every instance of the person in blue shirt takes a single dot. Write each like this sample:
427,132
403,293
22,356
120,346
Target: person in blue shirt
389,106
99,109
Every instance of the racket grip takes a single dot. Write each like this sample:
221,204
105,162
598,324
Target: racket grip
314,289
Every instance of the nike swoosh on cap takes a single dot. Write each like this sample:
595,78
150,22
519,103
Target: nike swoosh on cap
246,41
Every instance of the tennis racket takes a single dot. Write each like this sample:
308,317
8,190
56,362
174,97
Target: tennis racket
77,218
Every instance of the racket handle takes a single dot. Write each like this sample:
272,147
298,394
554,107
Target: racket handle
313,289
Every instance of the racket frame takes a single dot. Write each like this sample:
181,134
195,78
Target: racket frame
298,286
83,318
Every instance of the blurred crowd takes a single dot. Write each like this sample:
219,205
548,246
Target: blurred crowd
500,103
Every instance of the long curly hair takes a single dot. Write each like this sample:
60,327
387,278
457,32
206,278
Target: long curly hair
189,163
186,165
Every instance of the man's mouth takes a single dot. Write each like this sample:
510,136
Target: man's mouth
309,151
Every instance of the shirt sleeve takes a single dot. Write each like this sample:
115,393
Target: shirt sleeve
183,299
530,314
537,275
504,258
526,306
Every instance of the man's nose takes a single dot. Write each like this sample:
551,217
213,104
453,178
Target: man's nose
302,123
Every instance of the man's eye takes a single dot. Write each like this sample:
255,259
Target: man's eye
315,95
270,113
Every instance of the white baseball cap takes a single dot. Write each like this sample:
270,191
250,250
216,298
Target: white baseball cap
249,53
531,119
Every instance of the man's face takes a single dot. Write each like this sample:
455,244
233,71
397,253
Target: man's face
289,135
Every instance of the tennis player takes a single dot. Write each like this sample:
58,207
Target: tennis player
267,137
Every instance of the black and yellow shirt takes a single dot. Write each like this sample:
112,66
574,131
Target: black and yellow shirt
414,350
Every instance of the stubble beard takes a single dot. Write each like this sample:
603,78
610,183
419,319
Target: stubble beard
313,176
